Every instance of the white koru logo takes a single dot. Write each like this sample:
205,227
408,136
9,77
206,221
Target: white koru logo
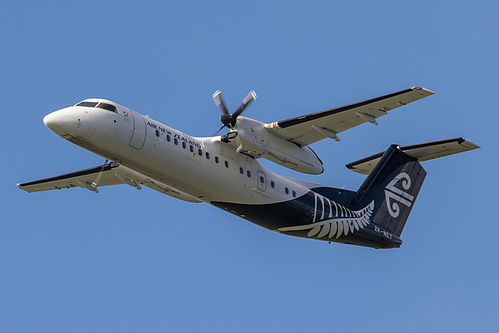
395,195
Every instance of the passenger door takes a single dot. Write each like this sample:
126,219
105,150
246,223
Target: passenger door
139,131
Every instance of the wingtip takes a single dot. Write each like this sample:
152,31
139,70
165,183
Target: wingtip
423,89
20,186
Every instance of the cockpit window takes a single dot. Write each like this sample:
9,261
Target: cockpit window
100,105
89,104
107,107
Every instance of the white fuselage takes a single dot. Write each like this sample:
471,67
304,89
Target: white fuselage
204,168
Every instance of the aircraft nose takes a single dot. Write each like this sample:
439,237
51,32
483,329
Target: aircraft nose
52,120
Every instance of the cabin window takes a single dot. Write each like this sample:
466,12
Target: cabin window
241,171
157,133
226,164
286,190
248,173
168,137
200,152
175,141
272,184
294,194
184,145
216,159
191,148
207,155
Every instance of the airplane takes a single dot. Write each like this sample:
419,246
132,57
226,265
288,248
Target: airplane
224,171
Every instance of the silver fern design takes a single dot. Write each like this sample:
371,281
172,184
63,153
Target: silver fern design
347,221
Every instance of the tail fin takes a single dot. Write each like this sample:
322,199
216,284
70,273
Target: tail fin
393,185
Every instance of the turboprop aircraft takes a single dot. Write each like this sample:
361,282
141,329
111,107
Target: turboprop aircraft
224,171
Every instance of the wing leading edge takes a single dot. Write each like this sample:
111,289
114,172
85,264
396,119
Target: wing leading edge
310,128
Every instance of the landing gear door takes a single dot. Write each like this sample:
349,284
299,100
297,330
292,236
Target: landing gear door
262,181
139,131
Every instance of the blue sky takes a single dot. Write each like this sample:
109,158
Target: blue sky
128,261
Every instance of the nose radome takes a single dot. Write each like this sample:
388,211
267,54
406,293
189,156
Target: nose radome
52,120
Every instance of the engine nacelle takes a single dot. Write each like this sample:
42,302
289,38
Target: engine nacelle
259,142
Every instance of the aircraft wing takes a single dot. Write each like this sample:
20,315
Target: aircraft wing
423,152
307,129
104,175
82,178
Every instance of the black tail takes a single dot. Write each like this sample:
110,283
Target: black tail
393,184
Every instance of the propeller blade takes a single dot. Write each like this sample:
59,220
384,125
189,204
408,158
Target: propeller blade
221,128
217,97
246,101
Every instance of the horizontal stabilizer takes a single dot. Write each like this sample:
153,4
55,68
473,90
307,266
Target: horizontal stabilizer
423,152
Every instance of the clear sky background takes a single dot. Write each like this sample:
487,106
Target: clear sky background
138,261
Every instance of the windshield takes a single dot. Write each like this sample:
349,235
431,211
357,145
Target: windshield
89,104
98,105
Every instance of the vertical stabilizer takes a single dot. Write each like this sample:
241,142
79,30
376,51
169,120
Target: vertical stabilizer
393,184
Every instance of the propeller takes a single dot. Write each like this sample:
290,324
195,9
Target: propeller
229,120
